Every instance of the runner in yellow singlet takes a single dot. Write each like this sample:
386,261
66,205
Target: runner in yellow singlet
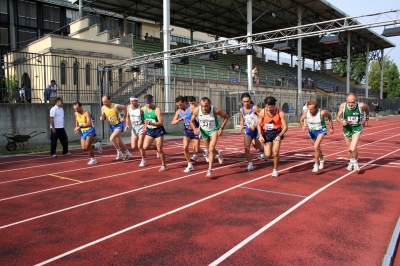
109,111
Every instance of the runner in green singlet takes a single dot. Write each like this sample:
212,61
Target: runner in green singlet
209,128
350,115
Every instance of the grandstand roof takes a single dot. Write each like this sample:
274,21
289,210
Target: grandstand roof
227,18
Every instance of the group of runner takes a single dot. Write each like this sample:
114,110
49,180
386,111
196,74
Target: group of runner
264,128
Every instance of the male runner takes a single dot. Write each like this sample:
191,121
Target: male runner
271,128
110,111
134,117
83,121
155,130
249,117
209,129
314,118
351,117
191,100
184,113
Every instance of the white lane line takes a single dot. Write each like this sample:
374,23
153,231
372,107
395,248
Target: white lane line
194,203
274,192
280,217
112,196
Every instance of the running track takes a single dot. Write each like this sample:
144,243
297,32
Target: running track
63,212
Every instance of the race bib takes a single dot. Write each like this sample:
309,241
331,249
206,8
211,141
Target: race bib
151,121
136,121
112,119
187,126
352,120
269,126
207,124
249,122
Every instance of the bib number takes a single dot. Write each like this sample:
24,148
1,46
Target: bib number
151,121
136,122
269,126
187,126
112,119
352,119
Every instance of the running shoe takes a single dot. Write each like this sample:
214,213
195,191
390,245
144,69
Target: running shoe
119,155
315,168
188,169
142,163
127,155
275,173
194,158
205,154
163,168
92,161
98,147
350,167
208,175
261,156
321,163
220,157
250,167
67,154
54,155
356,167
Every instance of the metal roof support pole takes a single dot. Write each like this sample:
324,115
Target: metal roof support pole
299,63
191,36
80,8
366,72
348,62
125,22
249,43
278,61
167,61
382,68
291,60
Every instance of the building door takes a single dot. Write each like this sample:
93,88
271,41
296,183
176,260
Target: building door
28,90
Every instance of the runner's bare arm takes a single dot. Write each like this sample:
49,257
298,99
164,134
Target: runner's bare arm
284,123
103,115
259,124
195,112
302,118
339,115
241,121
222,114
176,118
88,119
127,117
325,113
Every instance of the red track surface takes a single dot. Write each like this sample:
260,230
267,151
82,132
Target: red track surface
117,213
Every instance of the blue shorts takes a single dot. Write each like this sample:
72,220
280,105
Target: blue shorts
313,134
270,135
155,132
190,134
253,134
120,125
88,133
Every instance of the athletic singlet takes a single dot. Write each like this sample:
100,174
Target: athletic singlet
270,123
111,115
188,116
250,119
135,116
352,116
151,116
208,122
81,119
315,122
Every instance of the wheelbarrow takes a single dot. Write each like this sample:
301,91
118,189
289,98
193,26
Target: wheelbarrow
20,140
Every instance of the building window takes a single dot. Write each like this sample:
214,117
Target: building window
27,14
183,40
75,70
62,72
51,17
25,36
87,72
110,81
4,36
4,12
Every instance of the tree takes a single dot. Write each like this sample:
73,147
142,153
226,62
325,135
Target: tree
393,82
375,74
358,66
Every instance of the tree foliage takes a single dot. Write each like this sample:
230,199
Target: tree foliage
391,80
358,65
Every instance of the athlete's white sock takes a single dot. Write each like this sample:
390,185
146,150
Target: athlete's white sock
190,164
352,160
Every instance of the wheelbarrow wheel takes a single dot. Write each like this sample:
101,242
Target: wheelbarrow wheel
12,146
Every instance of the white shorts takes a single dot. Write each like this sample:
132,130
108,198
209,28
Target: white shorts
138,130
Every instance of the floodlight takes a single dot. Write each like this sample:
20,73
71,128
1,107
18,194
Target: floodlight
331,39
133,69
390,32
155,65
208,57
243,52
282,46
181,61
